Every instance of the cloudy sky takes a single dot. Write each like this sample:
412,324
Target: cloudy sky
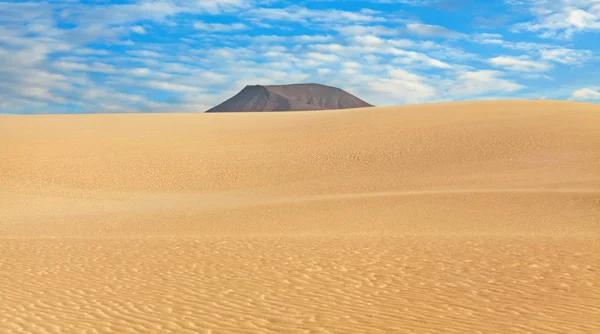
188,55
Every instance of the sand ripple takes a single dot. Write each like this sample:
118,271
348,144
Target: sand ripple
317,285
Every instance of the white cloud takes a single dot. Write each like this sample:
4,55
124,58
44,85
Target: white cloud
323,71
322,57
403,87
586,94
370,40
562,18
159,11
482,82
139,72
300,39
312,38
332,47
171,87
146,53
353,30
556,53
544,51
138,30
429,30
412,58
566,56
219,27
91,52
351,64
93,67
372,45
102,94
519,64
305,15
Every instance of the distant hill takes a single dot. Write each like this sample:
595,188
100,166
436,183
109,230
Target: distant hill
294,97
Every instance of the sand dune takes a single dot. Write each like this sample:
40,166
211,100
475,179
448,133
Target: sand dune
453,217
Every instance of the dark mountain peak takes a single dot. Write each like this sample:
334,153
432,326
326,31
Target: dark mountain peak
294,97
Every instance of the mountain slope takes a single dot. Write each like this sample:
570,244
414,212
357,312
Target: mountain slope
294,97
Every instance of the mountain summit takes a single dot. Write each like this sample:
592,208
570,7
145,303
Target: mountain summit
294,97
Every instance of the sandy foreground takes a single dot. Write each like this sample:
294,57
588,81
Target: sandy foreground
473,217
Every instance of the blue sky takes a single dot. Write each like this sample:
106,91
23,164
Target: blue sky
188,55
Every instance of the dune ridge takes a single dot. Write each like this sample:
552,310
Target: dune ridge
438,218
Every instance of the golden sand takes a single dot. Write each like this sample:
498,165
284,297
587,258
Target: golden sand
442,218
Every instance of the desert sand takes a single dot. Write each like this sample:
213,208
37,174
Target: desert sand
471,217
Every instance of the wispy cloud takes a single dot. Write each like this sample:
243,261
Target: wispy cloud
586,94
520,64
305,15
566,56
429,30
483,82
219,27
138,30
561,18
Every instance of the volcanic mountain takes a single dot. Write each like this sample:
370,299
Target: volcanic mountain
294,97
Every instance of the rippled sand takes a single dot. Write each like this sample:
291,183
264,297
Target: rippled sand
390,284
444,218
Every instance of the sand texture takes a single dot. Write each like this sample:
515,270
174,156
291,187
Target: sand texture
471,217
